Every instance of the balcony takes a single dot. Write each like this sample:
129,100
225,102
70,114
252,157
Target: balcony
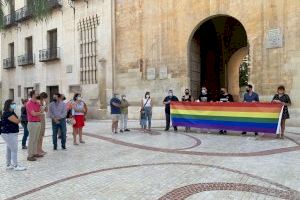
23,14
9,63
46,55
53,4
9,20
26,59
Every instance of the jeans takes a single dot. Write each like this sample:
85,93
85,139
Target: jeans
168,119
11,140
61,125
124,120
26,133
148,112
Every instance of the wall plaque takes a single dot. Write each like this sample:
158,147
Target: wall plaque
163,73
151,74
274,38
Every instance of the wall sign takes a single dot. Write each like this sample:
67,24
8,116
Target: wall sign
274,38
151,74
163,73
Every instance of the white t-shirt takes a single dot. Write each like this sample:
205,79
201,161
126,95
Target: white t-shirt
148,104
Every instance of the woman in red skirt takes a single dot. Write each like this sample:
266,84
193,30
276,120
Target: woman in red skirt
78,110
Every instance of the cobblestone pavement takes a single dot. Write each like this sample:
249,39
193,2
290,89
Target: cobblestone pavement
159,165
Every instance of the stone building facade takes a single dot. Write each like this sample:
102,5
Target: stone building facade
66,53
171,44
157,45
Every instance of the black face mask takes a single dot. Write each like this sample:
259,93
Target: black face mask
222,92
247,90
55,100
186,93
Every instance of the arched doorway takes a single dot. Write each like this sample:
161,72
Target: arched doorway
217,46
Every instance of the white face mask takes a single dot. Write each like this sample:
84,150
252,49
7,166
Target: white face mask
79,98
204,91
124,98
147,96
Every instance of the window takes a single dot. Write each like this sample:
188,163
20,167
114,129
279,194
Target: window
19,90
28,46
27,91
11,94
11,53
52,39
12,6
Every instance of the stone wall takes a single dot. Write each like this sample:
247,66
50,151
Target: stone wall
157,32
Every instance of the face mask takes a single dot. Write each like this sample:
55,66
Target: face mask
13,106
55,100
147,96
79,98
203,91
247,90
124,98
186,93
170,94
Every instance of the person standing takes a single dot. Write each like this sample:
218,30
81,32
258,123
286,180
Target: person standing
9,131
167,101
285,100
204,96
225,97
44,108
124,114
250,97
115,108
146,111
58,114
78,111
24,123
187,97
34,113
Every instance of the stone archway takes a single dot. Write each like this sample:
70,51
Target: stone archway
216,49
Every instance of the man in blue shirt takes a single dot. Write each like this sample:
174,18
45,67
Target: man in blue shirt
167,101
115,108
250,96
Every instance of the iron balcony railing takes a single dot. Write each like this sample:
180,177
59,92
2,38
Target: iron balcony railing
55,3
8,63
9,20
23,14
49,54
26,59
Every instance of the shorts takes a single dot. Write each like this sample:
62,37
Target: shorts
115,117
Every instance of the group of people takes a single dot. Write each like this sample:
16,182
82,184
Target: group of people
61,112
119,107
33,121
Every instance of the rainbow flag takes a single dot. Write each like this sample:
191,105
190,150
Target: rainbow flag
251,117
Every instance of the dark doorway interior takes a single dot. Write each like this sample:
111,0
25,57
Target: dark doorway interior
51,90
212,45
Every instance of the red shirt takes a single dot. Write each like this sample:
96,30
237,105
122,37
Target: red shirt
33,106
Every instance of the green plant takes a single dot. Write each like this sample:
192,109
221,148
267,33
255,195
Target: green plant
39,8
244,74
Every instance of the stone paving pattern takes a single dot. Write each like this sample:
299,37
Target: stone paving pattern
158,165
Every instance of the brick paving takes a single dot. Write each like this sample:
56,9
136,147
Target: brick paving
159,165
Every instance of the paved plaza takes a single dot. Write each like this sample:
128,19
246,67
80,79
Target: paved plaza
158,166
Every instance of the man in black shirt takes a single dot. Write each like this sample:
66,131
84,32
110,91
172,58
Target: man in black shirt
204,96
167,101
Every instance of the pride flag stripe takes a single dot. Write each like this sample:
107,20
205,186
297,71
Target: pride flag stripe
256,117
222,118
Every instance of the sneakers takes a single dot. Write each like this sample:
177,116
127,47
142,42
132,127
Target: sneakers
24,147
19,168
9,167
121,131
127,130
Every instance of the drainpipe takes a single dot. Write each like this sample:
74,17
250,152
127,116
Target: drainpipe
113,43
